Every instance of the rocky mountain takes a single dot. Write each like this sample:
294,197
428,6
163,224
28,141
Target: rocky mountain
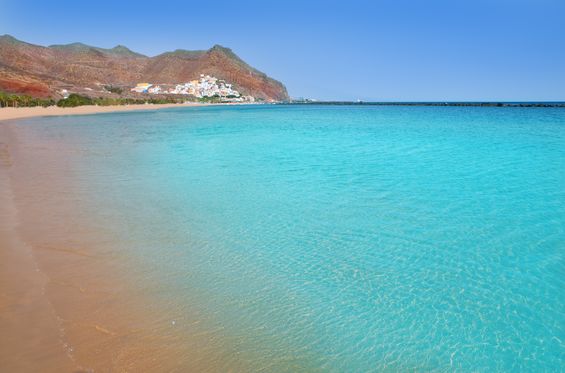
44,71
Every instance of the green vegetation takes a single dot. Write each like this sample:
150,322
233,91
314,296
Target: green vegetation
134,101
78,100
9,100
212,99
116,90
75,100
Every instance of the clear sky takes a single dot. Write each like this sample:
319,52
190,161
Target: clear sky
370,50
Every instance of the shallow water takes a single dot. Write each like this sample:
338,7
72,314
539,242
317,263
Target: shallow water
289,238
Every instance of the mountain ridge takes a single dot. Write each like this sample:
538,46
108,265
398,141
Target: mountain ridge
78,46
45,71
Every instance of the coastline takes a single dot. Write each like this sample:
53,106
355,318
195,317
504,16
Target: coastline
68,301
8,113
31,334
50,296
125,283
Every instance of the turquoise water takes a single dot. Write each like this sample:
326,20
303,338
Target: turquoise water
346,239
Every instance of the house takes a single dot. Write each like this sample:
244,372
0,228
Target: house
141,87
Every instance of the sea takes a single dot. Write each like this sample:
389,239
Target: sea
286,238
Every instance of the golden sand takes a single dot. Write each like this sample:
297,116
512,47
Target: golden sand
27,112
62,308
67,301
30,339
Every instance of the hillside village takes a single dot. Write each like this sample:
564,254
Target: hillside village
205,87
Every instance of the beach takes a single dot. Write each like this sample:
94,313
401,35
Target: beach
197,187
30,331
282,238
8,113
66,303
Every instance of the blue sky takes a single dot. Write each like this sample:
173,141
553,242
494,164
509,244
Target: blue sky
370,50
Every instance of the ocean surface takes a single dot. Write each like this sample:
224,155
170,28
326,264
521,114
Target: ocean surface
322,238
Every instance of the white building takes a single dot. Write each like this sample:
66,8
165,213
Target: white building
141,87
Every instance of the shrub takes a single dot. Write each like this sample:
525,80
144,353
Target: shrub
75,100
116,90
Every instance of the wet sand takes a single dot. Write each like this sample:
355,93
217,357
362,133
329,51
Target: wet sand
69,301
30,337
8,113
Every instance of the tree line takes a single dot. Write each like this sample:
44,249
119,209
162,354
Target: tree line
11,100
73,100
77,100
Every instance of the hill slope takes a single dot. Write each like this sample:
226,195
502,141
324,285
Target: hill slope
44,71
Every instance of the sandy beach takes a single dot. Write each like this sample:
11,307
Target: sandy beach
30,330
8,113
66,304
68,301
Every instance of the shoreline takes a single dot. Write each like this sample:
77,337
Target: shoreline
31,328
68,301
9,113
48,291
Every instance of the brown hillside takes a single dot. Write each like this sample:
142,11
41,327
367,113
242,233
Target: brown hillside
44,71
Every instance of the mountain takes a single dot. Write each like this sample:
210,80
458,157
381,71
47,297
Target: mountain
118,50
45,71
